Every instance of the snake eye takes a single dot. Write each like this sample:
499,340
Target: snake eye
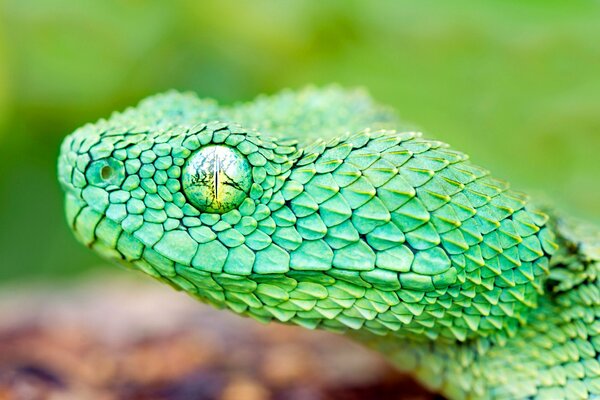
216,179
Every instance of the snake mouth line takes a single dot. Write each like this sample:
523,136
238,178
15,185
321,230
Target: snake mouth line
98,232
107,237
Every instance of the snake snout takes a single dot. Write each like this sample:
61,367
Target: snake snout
88,177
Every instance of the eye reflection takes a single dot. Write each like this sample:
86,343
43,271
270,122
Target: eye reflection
216,178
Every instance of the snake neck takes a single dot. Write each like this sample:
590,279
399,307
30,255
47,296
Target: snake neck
560,333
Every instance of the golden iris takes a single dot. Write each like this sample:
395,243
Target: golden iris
216,178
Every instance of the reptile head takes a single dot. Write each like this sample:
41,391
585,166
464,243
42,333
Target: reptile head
377,229
181,200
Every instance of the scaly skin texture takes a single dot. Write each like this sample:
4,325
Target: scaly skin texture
350,223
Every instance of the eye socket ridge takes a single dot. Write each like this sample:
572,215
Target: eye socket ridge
216,178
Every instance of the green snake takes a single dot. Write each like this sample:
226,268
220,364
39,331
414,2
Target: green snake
319,208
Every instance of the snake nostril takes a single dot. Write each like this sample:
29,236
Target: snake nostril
106,172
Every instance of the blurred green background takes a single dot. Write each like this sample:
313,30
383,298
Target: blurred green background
515,84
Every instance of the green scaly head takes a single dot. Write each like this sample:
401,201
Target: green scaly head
307,208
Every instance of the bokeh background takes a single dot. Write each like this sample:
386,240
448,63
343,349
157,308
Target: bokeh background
514,83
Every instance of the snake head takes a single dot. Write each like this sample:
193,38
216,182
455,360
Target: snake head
381,231
180,201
